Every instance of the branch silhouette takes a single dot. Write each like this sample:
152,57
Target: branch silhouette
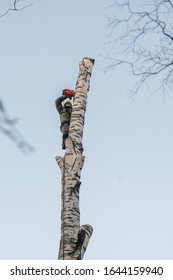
16,7
142,38
8,126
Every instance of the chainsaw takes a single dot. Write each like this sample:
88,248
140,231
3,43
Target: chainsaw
68,93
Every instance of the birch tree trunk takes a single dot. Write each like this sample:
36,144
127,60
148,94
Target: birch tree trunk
74,238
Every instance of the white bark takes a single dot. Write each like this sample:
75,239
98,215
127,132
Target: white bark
74,238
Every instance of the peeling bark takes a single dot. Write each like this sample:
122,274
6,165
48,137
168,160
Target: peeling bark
74,238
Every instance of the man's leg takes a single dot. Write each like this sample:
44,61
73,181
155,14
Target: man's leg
64,137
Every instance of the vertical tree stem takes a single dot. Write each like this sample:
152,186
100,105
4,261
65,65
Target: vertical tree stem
74,238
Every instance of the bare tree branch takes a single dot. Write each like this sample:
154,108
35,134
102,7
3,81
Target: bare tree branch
16,7
8,127
142,37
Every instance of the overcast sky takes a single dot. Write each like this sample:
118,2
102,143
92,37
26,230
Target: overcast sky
127,179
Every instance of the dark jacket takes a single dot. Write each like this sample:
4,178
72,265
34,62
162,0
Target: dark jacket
65,114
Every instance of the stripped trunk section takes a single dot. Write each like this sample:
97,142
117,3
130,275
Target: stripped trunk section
74,238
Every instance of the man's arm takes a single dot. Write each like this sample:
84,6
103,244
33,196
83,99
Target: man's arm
58,102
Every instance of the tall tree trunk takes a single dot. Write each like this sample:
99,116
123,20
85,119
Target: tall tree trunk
74,238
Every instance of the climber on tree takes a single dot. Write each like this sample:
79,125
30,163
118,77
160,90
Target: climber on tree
64,107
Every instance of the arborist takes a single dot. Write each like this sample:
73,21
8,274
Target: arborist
64,107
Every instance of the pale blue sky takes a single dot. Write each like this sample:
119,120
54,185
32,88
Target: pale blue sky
127,179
